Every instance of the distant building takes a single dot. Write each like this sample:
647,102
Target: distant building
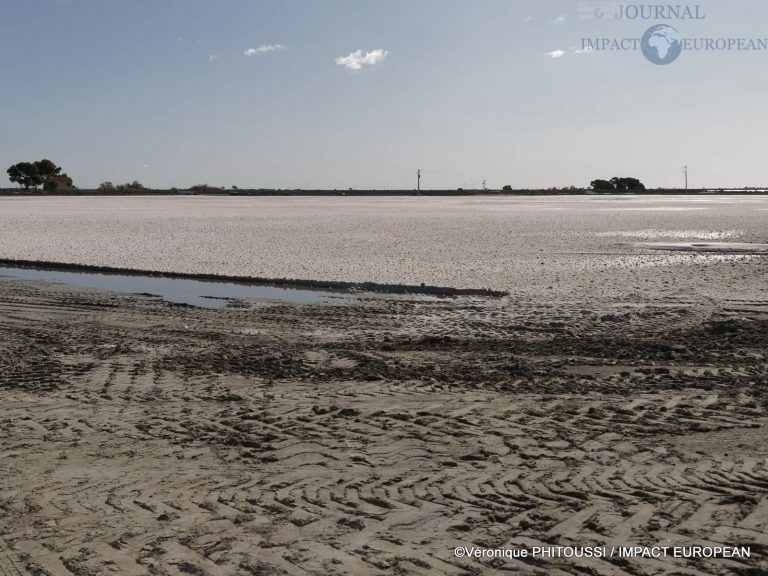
58,182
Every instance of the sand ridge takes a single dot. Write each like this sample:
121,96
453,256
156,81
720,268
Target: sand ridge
139,437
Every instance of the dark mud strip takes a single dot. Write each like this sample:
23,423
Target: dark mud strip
743,248
423,289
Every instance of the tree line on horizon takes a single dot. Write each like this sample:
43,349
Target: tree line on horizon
110,187
44,172
49,175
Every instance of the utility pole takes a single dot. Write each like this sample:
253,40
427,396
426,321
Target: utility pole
685,169
484,188
418,180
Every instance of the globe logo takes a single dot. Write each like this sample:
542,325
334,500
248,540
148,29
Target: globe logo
661,44
599,12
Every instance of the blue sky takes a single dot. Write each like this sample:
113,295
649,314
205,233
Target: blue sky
165,92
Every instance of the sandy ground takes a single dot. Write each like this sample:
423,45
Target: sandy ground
616,397
138,437
547,243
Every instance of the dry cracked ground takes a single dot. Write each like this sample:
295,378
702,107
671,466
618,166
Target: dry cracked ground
139,437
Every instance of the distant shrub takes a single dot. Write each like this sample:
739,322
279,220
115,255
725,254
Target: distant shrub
203,188
106,187
135,185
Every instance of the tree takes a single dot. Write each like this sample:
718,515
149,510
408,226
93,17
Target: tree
46,168
106,187
626,184
633,184
32,174
617,184
601,185
26,174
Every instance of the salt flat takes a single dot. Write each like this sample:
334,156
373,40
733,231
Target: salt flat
504,243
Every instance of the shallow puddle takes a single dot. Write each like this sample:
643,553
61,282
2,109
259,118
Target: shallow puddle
203,294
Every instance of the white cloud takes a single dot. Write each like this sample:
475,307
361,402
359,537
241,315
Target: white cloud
213,57
554,54
527,18
357,59
584,51
559,20
263,49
